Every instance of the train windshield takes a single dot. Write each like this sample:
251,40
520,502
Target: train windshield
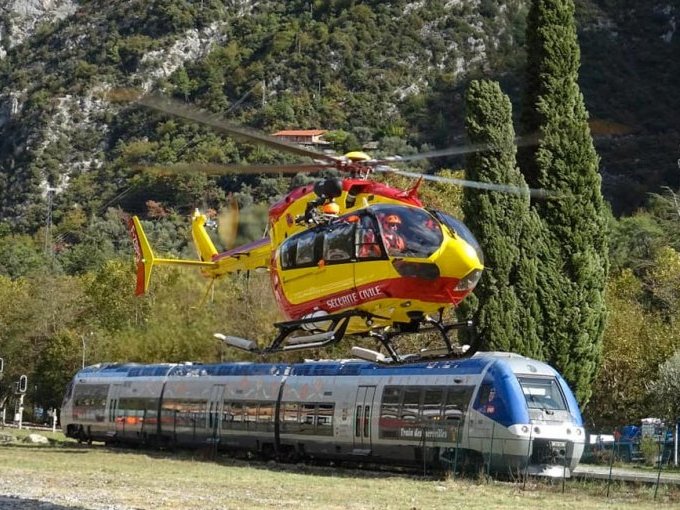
543,393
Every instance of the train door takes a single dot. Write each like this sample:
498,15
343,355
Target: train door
215,405
363,412
116,421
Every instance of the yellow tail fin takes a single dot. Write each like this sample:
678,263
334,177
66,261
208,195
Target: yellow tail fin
143,255
145,258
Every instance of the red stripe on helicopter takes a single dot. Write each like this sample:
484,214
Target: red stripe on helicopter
358,185
440,290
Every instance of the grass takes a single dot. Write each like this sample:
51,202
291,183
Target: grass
69,474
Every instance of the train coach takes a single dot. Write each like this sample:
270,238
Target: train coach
504,411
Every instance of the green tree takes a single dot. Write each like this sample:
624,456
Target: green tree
56,364
666,388
502,319
564,162
636,341
109,296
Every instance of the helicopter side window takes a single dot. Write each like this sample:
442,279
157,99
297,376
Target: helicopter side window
288,252
338,245
368,240
306,253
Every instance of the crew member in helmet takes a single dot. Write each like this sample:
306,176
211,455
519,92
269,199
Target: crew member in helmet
394,241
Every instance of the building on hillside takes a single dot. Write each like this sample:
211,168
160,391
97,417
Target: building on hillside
303,136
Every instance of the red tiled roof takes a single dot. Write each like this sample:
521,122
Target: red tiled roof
300,132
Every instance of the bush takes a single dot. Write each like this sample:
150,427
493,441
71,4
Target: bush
649,448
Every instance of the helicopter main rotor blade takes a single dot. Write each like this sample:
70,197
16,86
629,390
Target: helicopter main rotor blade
178,109
220,169
489,186
520,141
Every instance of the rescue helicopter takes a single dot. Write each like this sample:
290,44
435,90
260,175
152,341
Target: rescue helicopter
346,256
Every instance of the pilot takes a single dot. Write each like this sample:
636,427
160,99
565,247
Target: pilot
393,239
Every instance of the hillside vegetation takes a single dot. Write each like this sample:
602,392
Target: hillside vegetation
394,73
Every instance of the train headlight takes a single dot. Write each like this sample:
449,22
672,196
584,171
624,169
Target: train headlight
525,429
578,432
537,430
568,432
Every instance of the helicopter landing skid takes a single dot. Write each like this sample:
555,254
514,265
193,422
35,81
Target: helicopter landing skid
318,332
449,351
297,335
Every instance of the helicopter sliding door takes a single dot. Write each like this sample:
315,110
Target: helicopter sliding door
317,269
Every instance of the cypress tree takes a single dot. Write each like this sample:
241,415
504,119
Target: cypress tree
575,265
504,310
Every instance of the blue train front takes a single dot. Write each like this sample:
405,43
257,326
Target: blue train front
503,411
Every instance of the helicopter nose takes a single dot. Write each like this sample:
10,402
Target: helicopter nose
460,260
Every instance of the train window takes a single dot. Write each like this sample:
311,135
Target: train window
250,414
227,416
236,410
389,412
390,403
324,424
542,393
432,404
90,401
410,408
266,412
367,420
307,418
457,401
190,414
290,415
91,395
357,422
134,409
338,243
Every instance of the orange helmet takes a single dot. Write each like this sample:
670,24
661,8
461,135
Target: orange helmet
392,219
331,208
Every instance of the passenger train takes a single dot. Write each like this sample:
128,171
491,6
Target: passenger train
500,411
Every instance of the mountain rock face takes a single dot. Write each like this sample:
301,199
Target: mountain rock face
376,69
19,18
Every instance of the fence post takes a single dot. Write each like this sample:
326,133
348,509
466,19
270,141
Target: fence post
488,466
661,453
611,467
526,465
455,456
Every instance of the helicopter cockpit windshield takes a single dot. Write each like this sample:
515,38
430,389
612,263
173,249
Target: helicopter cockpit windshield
408,231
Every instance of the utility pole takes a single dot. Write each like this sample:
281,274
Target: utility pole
48,222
